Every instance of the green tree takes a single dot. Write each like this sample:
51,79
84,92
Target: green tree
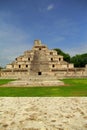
1,67
66,56
79,60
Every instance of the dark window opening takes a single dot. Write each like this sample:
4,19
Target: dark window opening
26,66
53,66
19,66
39,48
39,73
59,59
28,59
51,59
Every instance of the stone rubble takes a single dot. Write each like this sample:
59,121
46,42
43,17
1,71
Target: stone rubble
38,113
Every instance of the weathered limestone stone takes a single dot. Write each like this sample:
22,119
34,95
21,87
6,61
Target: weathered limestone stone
41,62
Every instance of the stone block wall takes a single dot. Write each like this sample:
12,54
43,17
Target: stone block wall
62,73
41,61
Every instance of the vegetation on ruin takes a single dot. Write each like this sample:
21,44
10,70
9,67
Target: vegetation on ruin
72,88
1,67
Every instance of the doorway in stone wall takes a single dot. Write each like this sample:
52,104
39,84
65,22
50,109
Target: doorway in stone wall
39,73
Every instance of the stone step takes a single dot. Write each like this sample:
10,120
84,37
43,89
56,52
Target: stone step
40,78
26,83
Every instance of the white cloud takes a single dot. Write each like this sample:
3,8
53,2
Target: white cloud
50,7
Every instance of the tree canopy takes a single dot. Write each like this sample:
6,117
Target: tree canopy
1,67
79,60
66,56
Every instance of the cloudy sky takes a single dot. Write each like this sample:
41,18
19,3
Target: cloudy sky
57,23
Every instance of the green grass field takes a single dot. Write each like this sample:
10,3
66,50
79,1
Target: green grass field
73,88
5,81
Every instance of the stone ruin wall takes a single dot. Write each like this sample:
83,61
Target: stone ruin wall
40,61
70,73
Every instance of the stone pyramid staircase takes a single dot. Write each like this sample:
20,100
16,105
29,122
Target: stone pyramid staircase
37,81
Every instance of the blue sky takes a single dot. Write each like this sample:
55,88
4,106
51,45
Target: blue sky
57,23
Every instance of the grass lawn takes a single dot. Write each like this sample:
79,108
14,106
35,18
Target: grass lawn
73,88
5,81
